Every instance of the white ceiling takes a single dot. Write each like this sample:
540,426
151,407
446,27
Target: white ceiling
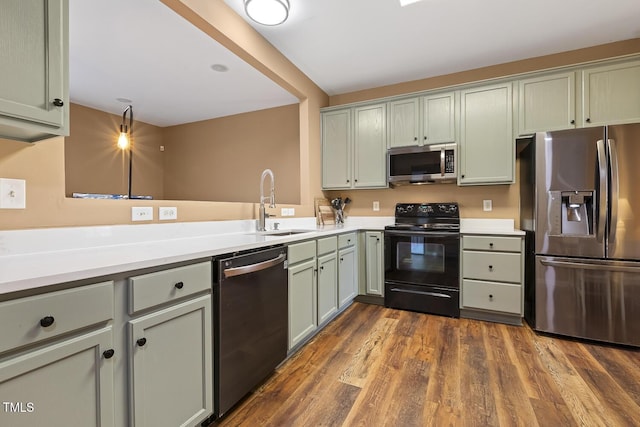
143,51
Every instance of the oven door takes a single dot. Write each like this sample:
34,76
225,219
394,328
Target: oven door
422,258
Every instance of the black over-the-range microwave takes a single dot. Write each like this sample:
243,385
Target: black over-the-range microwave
422,165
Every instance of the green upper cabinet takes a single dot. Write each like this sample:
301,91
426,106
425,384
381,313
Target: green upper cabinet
546,103
404,119
611,94
336,149
487,153
422,120
354,147
438,118
370,146
34,94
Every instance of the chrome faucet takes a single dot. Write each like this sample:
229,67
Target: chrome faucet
262,215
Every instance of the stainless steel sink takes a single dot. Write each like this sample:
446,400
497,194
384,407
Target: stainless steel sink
282,232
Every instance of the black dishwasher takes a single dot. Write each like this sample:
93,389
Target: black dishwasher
250,321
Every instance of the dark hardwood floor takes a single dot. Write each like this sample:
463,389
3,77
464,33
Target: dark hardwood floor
375,366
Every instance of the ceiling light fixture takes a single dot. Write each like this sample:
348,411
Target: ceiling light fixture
267,12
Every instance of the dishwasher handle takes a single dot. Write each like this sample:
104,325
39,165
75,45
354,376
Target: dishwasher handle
246,269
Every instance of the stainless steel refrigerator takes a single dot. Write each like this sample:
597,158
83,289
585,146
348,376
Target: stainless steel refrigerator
580,207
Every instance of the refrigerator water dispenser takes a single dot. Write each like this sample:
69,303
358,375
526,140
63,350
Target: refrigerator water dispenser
577,213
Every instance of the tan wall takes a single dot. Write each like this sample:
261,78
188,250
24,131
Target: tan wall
222,159
94,164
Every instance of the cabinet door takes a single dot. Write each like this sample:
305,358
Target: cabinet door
171,375
487,153
68,383
611,94
438,118
404,122
34,65
336,149
302,302
347,276
546,103
327,287
370,146
374,262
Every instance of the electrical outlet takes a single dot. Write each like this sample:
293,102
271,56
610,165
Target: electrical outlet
376,205
142,214
487,205
166,213
13,193
284,212
292,211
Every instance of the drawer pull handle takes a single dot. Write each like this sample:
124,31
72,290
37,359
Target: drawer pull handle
141,342
491,245
108,354
179,285
58,102
491,268
47,321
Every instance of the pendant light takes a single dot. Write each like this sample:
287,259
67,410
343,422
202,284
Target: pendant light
267,12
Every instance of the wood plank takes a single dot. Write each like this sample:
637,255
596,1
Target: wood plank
584,406
414,369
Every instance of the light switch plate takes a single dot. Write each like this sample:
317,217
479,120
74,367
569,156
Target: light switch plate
376,205
13,193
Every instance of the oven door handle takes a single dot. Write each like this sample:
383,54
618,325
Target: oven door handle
431,294
453,234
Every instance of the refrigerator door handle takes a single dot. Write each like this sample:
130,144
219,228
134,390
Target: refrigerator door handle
613,190
588,266
602,190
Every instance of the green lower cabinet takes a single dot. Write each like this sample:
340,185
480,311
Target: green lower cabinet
67,383
302,301
327,287
347,276
374,252
171,374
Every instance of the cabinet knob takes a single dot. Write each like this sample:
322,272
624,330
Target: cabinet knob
108,354
179,285
341,259
141,342
588,120
415,138
377,239
461,176
490,296
47,321
491,245
573,122
58,102
347,181
425,138
322,267
491,268
355,180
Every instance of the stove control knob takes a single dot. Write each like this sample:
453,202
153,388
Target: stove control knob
410,208
423,209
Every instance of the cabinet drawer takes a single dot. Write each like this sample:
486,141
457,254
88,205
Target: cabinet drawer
498,266
149,290
28,320
492,243
301,251
345,240
492,296
327,245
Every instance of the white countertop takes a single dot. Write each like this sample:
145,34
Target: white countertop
40,257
